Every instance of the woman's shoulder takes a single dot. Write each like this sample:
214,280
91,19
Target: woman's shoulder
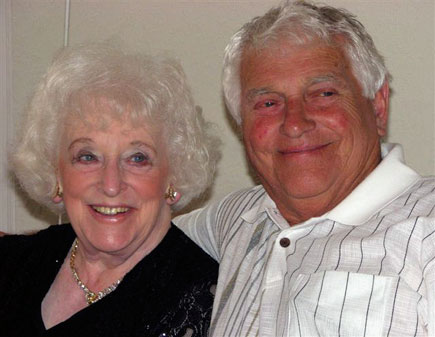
34,238
188,251
18,248
28,265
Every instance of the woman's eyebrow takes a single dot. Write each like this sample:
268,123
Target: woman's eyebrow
84,140
140,143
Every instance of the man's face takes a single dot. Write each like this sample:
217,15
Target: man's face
308,131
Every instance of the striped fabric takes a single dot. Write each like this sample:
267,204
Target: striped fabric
366,268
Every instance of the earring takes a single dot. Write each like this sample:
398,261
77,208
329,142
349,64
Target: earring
59,191
171,193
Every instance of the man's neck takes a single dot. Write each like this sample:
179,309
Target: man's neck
297,210
302,210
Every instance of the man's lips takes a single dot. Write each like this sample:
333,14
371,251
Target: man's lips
303,149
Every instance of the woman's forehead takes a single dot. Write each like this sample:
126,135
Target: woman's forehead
77,126
102,113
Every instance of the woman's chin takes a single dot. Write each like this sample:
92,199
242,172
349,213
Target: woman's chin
107,238
112,245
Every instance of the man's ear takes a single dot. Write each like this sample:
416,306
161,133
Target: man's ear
381,105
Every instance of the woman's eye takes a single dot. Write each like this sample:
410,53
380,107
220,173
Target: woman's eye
86,158
139,158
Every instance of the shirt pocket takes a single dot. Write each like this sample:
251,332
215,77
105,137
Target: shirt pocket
335,303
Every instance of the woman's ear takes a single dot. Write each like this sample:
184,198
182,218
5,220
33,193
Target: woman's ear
58,194
172,196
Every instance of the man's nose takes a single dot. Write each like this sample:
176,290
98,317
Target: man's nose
296,121
112,182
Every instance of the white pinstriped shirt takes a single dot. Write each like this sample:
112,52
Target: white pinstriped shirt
366,268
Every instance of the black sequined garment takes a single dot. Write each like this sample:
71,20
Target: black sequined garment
168,293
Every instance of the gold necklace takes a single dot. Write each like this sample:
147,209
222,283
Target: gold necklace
91,297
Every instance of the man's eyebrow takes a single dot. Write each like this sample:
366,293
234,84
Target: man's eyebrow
261,91
80,140
326,78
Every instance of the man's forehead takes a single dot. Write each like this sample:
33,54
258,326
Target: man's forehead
310,63
283,46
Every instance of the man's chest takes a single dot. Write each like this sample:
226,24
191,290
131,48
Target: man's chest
327,279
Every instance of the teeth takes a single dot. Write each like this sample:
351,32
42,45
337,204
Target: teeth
110,210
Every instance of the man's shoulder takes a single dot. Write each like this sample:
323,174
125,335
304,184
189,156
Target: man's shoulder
255,191
428,180
423,188
207,226
242,199
237,203
418,201
249,195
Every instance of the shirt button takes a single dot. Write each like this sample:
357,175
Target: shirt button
284,242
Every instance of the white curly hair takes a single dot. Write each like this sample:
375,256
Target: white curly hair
148,88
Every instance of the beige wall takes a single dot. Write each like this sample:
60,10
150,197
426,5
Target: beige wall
197,32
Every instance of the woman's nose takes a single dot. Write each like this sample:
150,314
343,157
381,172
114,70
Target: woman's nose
112,180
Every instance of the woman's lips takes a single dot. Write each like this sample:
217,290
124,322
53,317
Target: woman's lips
107,210
110,213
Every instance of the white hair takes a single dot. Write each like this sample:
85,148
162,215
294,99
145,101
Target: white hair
300,22
149,89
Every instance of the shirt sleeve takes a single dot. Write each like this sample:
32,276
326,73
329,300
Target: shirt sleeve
208,227
201,226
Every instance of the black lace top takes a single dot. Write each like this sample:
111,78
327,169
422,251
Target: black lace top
168,293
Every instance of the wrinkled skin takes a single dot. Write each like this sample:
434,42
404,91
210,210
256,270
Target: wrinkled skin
308,131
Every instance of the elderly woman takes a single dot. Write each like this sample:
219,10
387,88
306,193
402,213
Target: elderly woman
116,142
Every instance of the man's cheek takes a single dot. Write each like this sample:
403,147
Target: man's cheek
339,121
261,131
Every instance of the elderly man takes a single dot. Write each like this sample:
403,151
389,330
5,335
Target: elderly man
339,238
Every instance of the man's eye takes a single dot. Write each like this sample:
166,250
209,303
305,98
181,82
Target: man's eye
265,104
326,93
268,104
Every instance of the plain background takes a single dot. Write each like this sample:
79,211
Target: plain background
196,32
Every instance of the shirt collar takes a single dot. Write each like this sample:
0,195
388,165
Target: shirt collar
385,183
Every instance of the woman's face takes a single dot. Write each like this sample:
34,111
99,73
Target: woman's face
114,180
